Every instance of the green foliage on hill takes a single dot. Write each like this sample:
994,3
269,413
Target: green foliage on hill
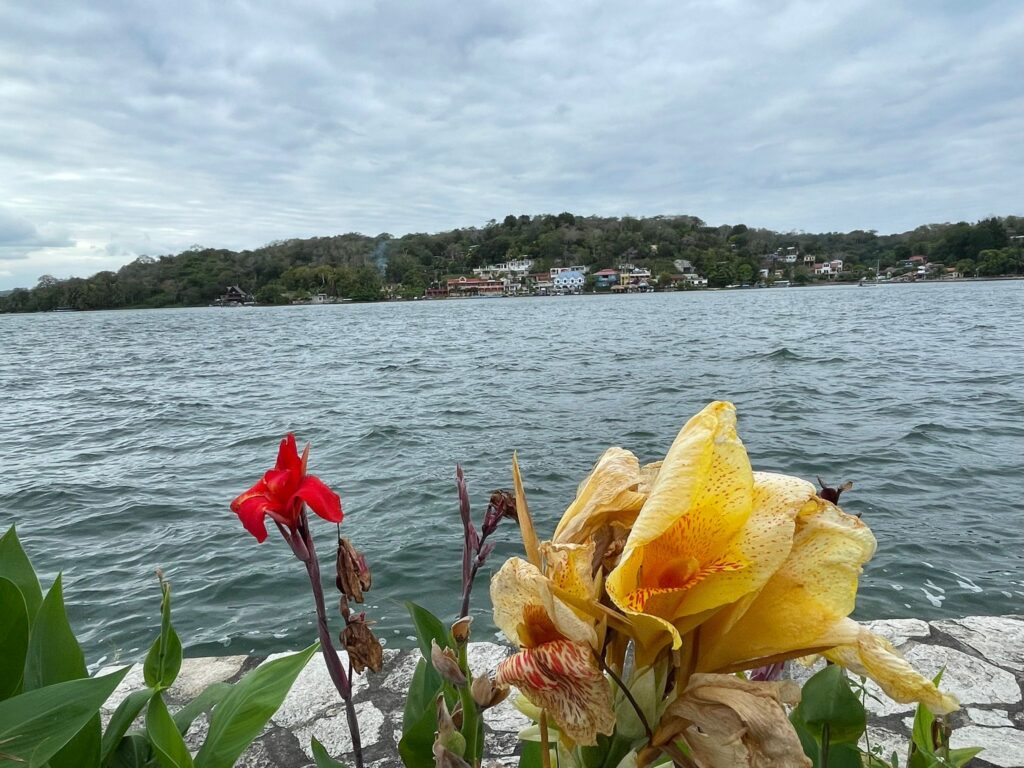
367,268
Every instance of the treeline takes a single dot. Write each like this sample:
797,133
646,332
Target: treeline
367,268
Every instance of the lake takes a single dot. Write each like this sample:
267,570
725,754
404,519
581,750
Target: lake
126,435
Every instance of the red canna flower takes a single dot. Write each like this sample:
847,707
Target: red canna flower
283,491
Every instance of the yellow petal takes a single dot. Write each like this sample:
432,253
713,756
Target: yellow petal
648,476
609,494
697,544
803,607
873,656
563,678
730,722
525,608
531,544
571,567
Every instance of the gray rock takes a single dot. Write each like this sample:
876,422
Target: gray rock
484,658
313,695
899,631
991,717
197,674
999,639
333,733
1003,746
883,742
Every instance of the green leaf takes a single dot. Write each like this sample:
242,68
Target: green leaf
964,755
321,758
163,662
530,755
428,627
15,565
133,751
54,656
240,717
36,725
844,755
13,638
423,690
121,721
828,700
922,743
168,744
418,740
204,702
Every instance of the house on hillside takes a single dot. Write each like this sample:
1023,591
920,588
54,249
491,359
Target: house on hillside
234,296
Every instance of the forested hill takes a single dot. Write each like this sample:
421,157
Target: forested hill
367,268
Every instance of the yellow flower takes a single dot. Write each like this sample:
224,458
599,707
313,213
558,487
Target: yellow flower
709,533
556,668
804,609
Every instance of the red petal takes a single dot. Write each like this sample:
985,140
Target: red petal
260,489
280,483
252,512
288,456
320,499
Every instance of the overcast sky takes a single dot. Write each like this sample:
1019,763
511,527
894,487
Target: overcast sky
144,128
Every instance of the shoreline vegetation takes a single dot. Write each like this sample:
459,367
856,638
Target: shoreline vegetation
544,255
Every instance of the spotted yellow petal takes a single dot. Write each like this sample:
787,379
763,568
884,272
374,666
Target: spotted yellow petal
526,610
571,567
873,656
609,494
805,604
564,679
697,544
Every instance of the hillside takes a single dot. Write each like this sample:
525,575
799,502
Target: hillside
366,268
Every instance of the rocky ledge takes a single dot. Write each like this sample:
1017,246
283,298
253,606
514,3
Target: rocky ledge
983,657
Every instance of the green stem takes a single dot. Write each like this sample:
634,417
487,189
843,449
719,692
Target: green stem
824,745
471,725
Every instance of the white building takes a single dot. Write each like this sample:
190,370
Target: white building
567,281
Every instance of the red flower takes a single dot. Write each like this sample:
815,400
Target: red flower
282,492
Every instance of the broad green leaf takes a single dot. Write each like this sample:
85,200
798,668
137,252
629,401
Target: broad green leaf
54,656
418,740
428,627
168,744
15,565
530,755
240,717
133,751
807,739
844,755
321,758
36,725
423,690
13,638
121,721
608,751
964,755
163,662
828,700
204,702
922,742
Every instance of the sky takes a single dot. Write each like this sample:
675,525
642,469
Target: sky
132,128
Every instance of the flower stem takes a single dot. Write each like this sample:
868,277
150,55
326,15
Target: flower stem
341,681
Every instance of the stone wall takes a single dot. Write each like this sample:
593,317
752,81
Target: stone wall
983,657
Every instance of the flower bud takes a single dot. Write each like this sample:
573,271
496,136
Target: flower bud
486,694
449,744
447,664
460,630
363,647
502,504
353,574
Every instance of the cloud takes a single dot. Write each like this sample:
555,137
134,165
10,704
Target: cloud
18,236
231,125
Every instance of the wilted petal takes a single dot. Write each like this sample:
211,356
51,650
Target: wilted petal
803,607
321,499
729,722
563,678
875,657
608,494
697,544
527,612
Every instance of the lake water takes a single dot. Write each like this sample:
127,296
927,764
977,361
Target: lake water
126,434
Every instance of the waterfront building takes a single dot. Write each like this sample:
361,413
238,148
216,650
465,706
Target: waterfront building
604,278
567,281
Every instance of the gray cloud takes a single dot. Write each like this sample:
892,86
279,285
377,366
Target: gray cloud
149,130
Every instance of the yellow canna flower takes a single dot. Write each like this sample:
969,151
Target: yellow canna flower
707,535
804,609
556,668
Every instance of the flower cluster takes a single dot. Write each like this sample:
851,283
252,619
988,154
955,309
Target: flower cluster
676,575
